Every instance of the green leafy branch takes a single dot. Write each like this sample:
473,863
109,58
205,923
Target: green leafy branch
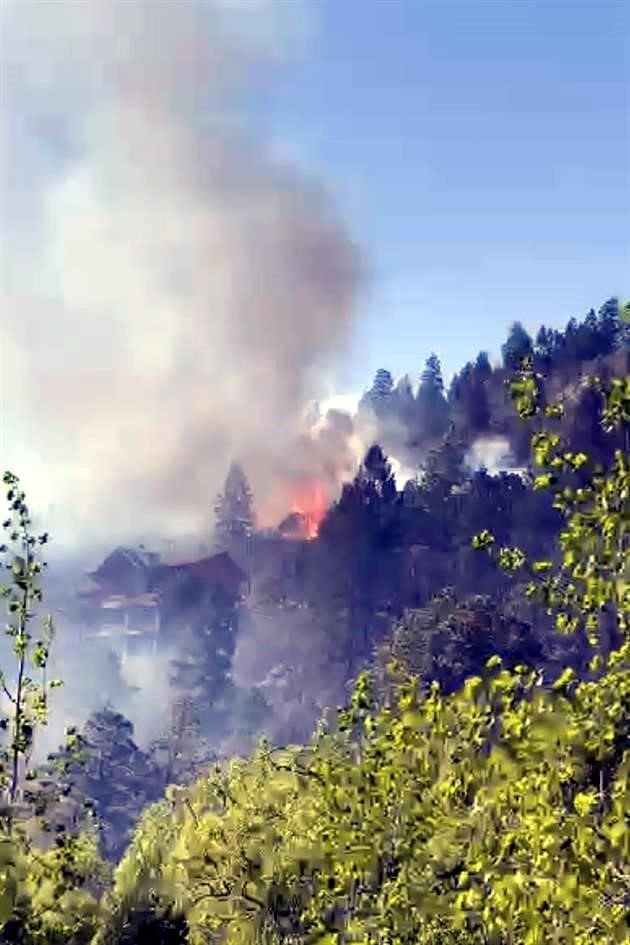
27,699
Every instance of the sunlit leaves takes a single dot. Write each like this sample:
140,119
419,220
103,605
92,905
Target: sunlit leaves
543,482
429,819
483,541
511,559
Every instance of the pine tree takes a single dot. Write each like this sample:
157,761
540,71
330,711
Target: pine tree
203,668
234,510
483,368
431,378
379,399
432,413
609,325
545,344
115,777
468,397
383,384
376,474
518,346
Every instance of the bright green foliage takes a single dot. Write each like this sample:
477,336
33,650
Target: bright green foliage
52,898
215,852
494,815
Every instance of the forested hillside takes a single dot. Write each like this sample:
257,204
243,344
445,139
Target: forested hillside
473,788
393,557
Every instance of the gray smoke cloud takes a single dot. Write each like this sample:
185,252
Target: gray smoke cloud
171,291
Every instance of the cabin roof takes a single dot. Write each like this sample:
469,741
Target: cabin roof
112,579
214,569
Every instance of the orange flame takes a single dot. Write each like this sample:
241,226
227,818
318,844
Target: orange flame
311,503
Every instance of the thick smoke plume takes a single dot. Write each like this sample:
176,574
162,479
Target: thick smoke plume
171,291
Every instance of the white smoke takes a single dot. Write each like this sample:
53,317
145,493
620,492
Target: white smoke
170,290
493,453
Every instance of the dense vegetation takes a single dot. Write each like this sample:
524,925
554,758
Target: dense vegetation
475,788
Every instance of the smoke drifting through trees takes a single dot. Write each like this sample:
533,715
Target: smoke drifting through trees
172,289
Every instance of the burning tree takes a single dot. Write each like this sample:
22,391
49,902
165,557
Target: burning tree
309,507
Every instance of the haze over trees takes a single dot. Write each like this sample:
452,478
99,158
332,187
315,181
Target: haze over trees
472,789
234,512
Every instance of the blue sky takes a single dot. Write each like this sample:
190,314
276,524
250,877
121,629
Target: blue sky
480,152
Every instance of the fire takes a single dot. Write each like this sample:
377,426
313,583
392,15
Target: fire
311,504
